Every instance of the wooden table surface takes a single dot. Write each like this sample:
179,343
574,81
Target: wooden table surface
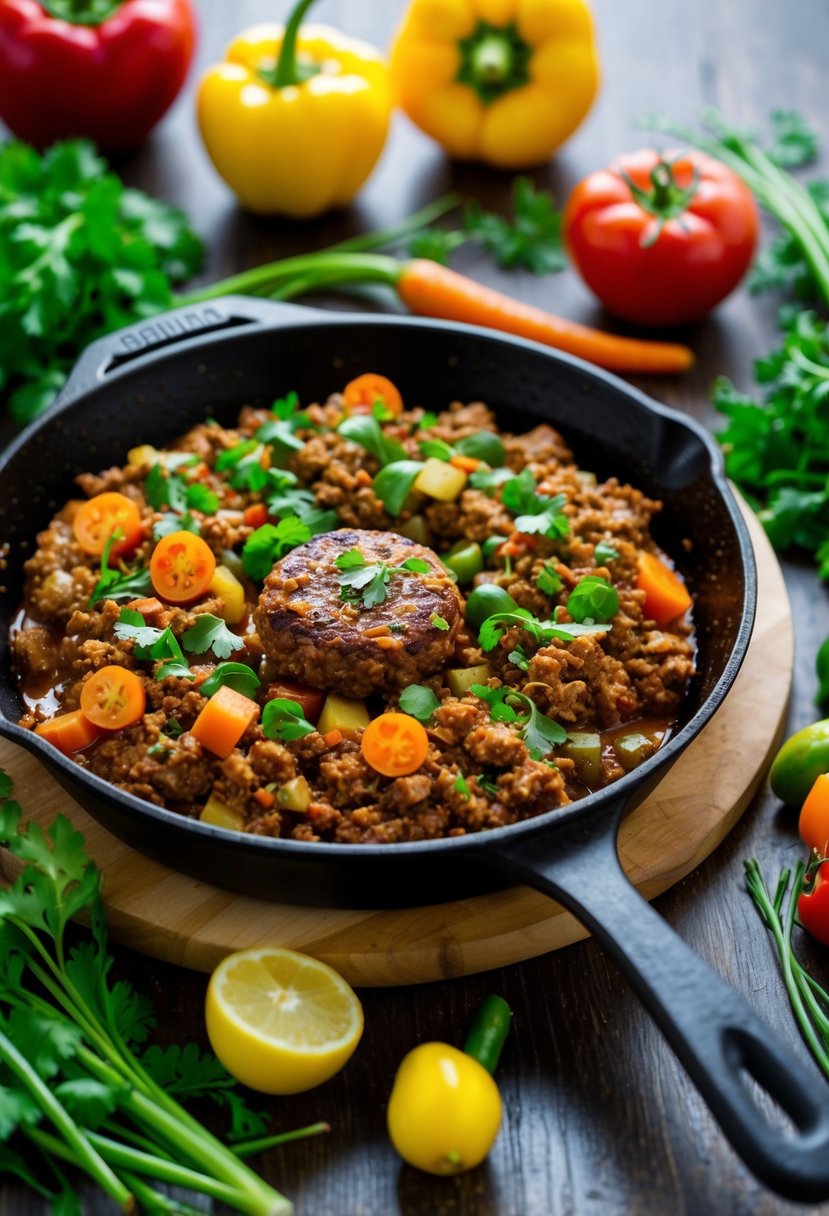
599,1118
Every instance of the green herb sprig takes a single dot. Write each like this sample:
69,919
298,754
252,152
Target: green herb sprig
119,584
495,626
420,701
535,514
284,719
540,733
367,582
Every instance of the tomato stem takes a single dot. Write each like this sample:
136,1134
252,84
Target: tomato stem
488,1032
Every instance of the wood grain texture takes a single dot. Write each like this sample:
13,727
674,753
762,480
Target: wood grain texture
599,1117
175,918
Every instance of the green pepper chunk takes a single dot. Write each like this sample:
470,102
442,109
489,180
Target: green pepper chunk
485,601
465,560
483,445
584,748
632,749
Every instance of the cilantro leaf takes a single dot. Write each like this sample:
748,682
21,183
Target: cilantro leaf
419,701
283,719
534,513
211,633
90,1101
115,584
604,553
17,1109
540,733
365,430
495,626
593,599
268,544
189,1072
351,559
489,480
532,239
237,676
368,581
549,580
436,244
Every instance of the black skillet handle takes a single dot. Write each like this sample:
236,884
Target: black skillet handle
710,1027
105,358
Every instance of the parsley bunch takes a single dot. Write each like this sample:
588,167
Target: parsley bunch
367,582
80,255
76,1081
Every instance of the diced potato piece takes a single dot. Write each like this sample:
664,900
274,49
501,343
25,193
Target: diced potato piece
145,453
232,592
294,795
633,749
221,815
584,748
416,530
461,679
440,480
342,713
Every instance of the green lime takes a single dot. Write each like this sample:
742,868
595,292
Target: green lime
799,763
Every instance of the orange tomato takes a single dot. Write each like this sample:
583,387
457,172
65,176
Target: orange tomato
255,515
223,721
361,394
813,824
182,567
394,744
666,596
97,519
113,697
68,732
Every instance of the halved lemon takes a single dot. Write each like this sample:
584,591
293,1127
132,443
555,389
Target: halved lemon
279,1021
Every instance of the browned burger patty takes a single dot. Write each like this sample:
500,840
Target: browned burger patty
311,632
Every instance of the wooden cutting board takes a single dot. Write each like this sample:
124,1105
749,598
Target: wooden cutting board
170,916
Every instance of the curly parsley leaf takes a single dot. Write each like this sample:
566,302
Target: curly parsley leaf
237,676
593,599
118,584
268,544
283,719
419,701
211,633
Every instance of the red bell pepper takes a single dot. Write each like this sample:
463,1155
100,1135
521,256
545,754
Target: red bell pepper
104,69
813,901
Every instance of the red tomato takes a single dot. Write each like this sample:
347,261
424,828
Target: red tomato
813,906
662,239
107,71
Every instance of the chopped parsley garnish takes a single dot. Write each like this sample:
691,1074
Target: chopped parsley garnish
439,622
540,733
419,701
211,633
163,488
495,626
247,472
593,599
427,418
367,582
489,480
487,785
365,430
172,728
237,676
519,658
604,553
170,522
267,544
280,431
549,580
118,584
534,513
461,787
283,719
158,645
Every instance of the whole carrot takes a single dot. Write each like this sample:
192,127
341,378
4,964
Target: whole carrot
431,290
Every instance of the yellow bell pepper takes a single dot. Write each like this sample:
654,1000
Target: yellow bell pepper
295,120
500,81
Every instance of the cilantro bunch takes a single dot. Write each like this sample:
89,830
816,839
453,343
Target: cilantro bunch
80,255
78,1086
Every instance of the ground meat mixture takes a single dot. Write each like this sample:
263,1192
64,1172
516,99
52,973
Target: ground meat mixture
330,600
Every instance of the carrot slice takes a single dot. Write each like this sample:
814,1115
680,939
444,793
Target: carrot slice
68,732
394,744
362,394
223,721
113,697
813,824
666,596
468,464
265,798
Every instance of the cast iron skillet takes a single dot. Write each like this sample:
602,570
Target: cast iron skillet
150,383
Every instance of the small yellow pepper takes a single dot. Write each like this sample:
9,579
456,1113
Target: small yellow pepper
445,1109
295,120
500,81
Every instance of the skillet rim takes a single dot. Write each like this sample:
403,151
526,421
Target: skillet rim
292,317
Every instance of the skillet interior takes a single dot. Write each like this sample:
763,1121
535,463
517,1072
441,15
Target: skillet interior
613,430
